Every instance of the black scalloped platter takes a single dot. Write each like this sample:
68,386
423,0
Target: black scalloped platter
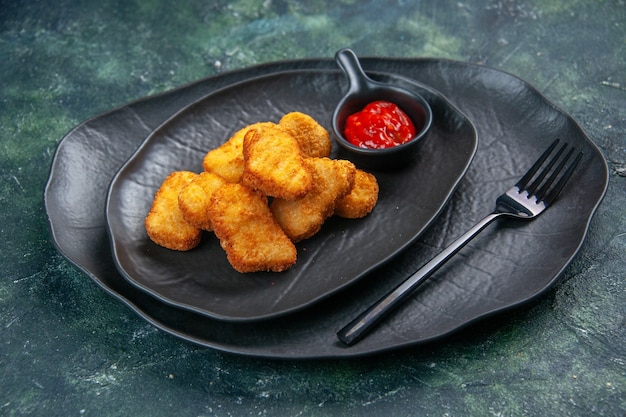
491,275
342,252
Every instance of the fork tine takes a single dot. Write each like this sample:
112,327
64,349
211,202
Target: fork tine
541,193
531,188
554,193
544,193
521,184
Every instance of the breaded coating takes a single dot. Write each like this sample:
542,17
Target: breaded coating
164,223
313,139
227,160
361,199
302,218
274,164
195,197
252,239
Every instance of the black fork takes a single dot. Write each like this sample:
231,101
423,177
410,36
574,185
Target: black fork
527,199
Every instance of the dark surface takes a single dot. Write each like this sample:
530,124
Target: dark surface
68,348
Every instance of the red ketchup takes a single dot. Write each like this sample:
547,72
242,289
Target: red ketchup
379,125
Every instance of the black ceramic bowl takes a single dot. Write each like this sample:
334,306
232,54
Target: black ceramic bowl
362,91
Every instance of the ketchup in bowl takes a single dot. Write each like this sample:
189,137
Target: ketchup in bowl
380,125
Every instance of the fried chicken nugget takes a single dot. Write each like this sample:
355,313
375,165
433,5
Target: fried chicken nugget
302,218
164,223
274,164
313,139
227,159
361,200
195,197
248,232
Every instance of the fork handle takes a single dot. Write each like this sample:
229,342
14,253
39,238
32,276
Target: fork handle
357,328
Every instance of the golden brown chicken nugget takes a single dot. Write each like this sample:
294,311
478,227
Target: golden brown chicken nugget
195,197
361,199
165,223
227,160
274,164
302,218
312,137
248,232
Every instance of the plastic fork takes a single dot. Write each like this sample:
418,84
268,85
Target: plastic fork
527,199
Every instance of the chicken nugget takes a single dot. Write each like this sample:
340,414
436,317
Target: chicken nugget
195,197
361,199
165,223
248,232
313,139
227,160
302,218
274,165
